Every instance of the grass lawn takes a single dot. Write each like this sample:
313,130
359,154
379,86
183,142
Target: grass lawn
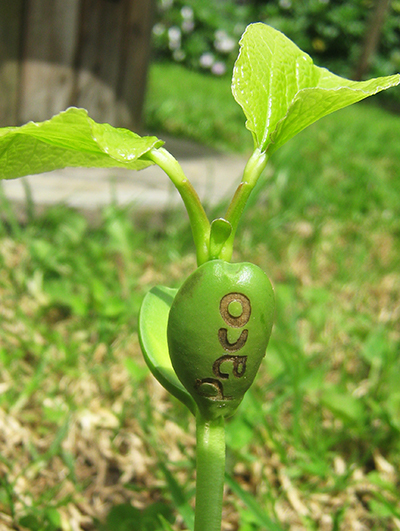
191,105
89,441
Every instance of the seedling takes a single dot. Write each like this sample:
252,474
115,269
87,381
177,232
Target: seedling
204,342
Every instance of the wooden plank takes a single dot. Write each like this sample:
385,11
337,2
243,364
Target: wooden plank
97,58
114,41
10,28
47,78
135,57
88,53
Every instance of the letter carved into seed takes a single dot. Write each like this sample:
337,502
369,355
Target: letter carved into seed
239,366
218,329
211,388
225,308
232,347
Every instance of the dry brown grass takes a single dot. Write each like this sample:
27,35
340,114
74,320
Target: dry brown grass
87,435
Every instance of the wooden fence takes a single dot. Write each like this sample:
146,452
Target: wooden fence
85,53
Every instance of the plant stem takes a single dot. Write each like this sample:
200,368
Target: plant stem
210,435
254,167
198,218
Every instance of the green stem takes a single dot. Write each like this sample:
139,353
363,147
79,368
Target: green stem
210,450
254,167
198,218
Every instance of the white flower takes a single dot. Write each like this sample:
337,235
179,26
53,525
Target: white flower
218,68
187,26
158,29
166,4
220,35
187,13
174,37
179,55
206,60
223,42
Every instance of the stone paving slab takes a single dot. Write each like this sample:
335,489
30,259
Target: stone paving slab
215,176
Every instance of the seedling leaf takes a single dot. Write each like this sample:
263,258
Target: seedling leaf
281,91
70,139
153,320
220,231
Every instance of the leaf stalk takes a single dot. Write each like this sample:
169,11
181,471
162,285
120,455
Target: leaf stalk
254,167
199,222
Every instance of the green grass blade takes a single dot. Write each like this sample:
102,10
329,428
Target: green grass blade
259,514
179,497
165,524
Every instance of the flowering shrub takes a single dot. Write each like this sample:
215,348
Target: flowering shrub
333,31
204,34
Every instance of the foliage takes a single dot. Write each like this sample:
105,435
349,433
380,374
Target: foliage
202,35
331,32
279,100
281,91
77,431
70,139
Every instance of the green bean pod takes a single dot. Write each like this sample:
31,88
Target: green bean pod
218,330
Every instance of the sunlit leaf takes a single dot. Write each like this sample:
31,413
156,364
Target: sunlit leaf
70,139
281,91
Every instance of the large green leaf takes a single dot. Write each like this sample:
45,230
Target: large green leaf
153,321
70,139
281,91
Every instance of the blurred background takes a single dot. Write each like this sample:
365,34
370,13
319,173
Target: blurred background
88,439
99,54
